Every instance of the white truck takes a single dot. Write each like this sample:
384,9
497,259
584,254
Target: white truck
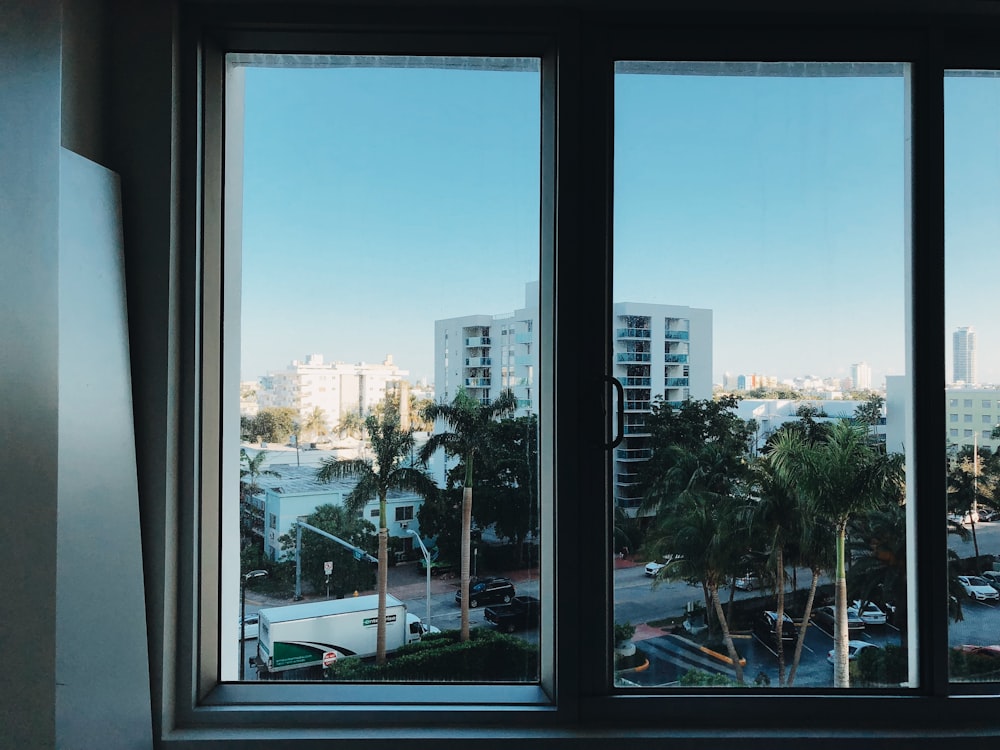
306,637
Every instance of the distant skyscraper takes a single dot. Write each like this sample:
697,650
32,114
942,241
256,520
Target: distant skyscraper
861,374
963,343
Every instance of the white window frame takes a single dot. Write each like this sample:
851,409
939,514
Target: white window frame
574,704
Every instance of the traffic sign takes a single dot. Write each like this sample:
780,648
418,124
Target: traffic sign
329,657
328,567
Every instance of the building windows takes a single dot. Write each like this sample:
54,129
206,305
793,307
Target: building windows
404,513
952,417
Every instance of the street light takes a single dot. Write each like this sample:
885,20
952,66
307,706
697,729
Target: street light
243,612
427,566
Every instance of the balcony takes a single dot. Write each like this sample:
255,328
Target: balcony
523,338
680,358
477,382
677,335
632,382
636,429
634,333
633,454
643,406
478,341
627,357
678,382
523,360
478,361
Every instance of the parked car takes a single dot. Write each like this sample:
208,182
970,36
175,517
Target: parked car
747,582
992,577
249,626
871,613
853,649
652,568
765,628
825,617
488,591
978,588
522,613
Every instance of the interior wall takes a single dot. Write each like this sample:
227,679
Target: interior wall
29,246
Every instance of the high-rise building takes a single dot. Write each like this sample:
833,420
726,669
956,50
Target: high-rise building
659,351
963,343
861,376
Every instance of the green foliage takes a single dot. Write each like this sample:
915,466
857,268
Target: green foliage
349,575
623,631
507,478
273,424
487,655
973,666
439,520
700,678
880,666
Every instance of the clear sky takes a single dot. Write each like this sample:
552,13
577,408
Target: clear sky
777,202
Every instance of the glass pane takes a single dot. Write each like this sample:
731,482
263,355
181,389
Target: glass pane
759,336
388,285
972,192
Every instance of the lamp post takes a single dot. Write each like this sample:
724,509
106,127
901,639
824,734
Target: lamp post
243,612
427,567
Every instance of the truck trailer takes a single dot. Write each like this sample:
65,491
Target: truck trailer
306,637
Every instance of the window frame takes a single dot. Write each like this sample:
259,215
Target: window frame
575,701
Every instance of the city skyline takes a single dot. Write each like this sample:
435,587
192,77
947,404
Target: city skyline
804,276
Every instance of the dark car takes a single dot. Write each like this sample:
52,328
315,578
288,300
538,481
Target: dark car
488,591
521,613
765,628
825,617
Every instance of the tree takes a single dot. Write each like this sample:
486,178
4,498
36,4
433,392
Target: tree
315,423
842,475
972,479
391,447
351,424
776,513
506,484
348,574
251,468
697,522
870,414
274,424
468,420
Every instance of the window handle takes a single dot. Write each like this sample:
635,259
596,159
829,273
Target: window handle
621,411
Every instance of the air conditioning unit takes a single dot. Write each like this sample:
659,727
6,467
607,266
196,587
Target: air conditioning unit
404,525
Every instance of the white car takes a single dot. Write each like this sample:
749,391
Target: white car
251,626
872,614
652,568
853,649
748,582
992,577
978,588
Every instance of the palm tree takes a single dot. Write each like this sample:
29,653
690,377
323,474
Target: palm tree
391,447
468,419
842,475
315,423
250,470
350,424
697,524
776,514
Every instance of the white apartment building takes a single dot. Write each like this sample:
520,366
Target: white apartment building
336,388
971,415
659,351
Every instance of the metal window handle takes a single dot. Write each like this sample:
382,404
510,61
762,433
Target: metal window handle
621,411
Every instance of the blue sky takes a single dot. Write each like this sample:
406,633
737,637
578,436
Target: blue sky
777,202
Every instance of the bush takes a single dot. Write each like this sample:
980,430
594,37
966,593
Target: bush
487,655
623,631
881,666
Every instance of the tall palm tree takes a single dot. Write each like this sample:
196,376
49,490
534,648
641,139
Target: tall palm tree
468,420
776,514
251,468
842,475
697,524
392,447
315,423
